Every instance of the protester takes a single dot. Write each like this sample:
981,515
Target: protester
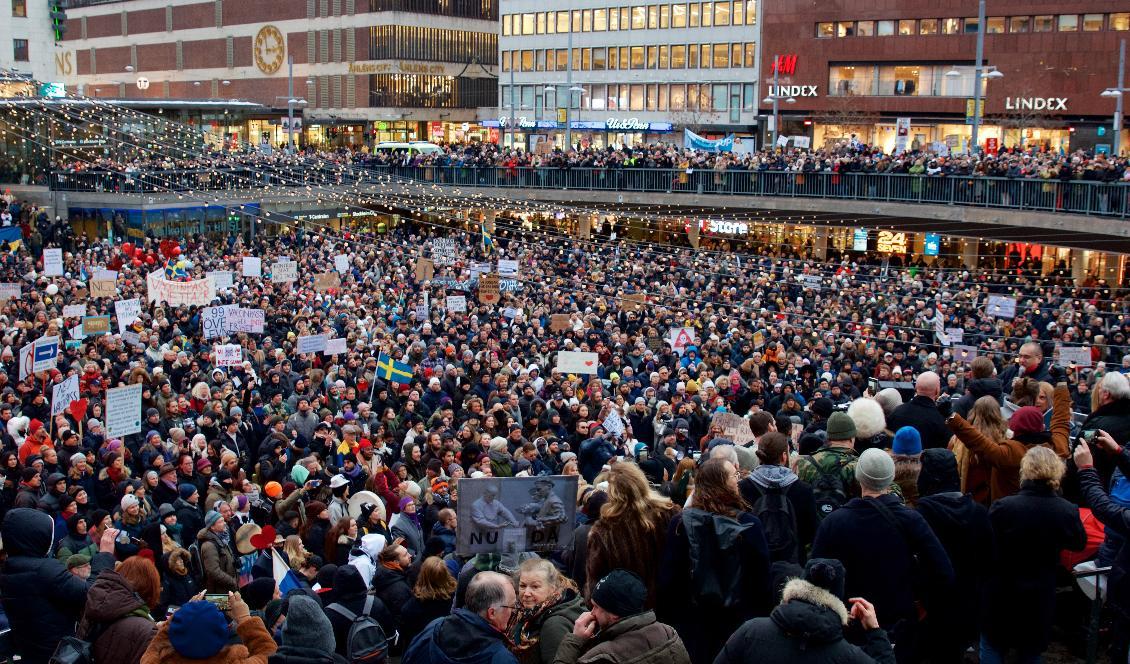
307,637
199,632
475,632
550,605
789,528
431,598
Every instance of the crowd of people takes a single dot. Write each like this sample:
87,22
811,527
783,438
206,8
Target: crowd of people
878,500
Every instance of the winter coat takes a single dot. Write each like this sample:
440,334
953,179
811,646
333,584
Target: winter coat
177,590
1005,455
879,559
808,626
190,520
1117,518
612,545
115,613
417,613
639,639
220,572
802,501
350,592
922,414
300,655
1113,418
977,388
538,637
402,526
255,647
461,638
41,599
392,588
1032,528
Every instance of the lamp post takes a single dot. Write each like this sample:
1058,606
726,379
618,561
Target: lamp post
291,102
775,97
980,70
1118,92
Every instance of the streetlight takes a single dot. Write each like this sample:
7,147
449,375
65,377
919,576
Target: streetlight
774,99
1116,93
979,70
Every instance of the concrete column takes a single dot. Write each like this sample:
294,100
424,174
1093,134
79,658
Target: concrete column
1079,265
970,253
820,244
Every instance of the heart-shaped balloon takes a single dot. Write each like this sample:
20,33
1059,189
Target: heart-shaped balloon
265,539
77,409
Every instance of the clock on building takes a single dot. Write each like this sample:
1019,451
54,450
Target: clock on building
270,49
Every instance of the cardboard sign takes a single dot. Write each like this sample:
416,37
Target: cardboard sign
515,514
53,262
1001,307
758,339
560,323
488,288
955,334
456,304
194,293
95,325
680,338
325,281
245,320
229,355
74,311
131,338
422,311
104,275
633,302
253,266
425,269
103,288
337,346
123,411
965,354
284,271
655,344
127,312
314,343
507,268
734,427
1080,356
63,394
577,362
10,291
341,263
224,279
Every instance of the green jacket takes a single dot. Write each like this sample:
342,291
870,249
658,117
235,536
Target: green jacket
638,639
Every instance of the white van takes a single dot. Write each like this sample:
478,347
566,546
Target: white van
413,148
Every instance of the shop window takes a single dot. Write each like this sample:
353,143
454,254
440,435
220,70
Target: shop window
678,56
599,20
1044,23
1092,22
635,101
1068,22
639,18
751,55
928,26
1018,24
1120,21
652,57
653,17
865,28
664,56
970,25
845,29
951,26
721,13
695,15
825,30
679,15
664,17
637,57
527,24
850,80
906,26
541,23
586,20
599,58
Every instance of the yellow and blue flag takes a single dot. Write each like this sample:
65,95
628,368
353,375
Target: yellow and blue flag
391,370
488,241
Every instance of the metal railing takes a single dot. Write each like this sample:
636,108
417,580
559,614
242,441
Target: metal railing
1069,196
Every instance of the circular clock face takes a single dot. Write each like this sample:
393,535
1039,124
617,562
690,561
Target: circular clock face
270,49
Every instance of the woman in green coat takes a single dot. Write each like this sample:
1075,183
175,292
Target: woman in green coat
550,604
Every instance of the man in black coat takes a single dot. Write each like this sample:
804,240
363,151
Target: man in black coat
390,582
350,593
43,601
1029,362
921,412
1113,417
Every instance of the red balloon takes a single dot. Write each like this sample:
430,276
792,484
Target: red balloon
174,252
149,260
136,262
127,249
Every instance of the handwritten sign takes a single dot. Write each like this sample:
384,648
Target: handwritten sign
245,320
214,320
53,262
195,293
633,302
284,271
456,303
1080,356
965,354
9,291
224,279
95,325
74,311
507,268
560,323
127,312
1002,307
443,251
253,266
103,288
341,263
325,281
313,343
336,346
422,311
104,275
229,355
577,362
63,394
734,427
131,338
488,288
425,269
123,411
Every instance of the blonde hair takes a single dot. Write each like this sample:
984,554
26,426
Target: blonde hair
1041,464
986,417
553,577
295,552
630,499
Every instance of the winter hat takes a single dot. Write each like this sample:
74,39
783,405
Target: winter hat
841,427
314,508
875,469
822,406
299,474
405,502
272,489
186,490
258,592
907,442
76,457
939,472
452,468
827,573
198,630
77,560
747,459
129,500
165,510
211,518
203,463
621,593
498,444
1027,419
27,474
307,626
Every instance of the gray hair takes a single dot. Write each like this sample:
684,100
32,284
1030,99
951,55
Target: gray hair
1116,385
890,399
486,590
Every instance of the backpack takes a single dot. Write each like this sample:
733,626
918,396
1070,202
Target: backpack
828,489
195,562
778,521
718,570
366,642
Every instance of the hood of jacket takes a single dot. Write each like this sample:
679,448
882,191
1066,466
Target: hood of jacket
773,477
110,597
348,582
27,532
950,511
466,638
810,614
384,578
986,387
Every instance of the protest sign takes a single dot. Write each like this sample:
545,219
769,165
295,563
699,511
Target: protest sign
245,320
313,343
422,311
614,424
195,293
940,328
488,288
127,312
577,362
9,292
95,325
507,268
76,332
510,313
443,251
456,303
1080,356
224,279
734,427
425,269
53,262
213,320
325,281
655,344
103,288
633,302
515,514
131,338
336,346
63,394
478,269
758,339
560,323
1001,306
284,271
45,353
341,263
810,281
680,338
955,334
104,275
123,411
252,266
74,311
229,355
965,354
27,360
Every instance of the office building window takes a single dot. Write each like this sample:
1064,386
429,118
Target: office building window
750,54
721,56
851,80
613,19
885,28
865,28
707,14
599,59
19,50
19,7
639,18
1092,22
971,25
845,29
664,17
586,59
600,20
695,15
586,20
706,57
1045,23
679,15
1120,21
562,23
652,57
678,56
951,26
928,26
739,13
1068,22
825,30
664,56
994,25
1019,24
906,26
692,56
637,57
722,13
653,17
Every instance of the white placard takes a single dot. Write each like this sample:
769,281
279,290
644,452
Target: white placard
284,271
9,292
510,312
131,338
123,411
939,327
127,312
194,293
456,303
1001,306
680,338
614,424
577,362
507,268
76,332
74,311
955,334
313,343
1080,356
45,354
25,359
245,320
336,346
63,394
214,320
965,354
341,263
422,311
53,262
229,355
443,251
105,275
252,266
224,279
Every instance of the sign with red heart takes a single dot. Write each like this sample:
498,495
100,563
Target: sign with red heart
265,539
77,410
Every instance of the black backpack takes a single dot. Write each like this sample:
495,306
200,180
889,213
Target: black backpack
366,642
828,489
778,521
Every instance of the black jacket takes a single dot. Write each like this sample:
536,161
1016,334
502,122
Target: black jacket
416,614
807,627
977,388
190,519
922,414
300,655
1117,518
43,601
350,592
799,494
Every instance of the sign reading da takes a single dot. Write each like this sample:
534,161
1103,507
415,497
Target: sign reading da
515,514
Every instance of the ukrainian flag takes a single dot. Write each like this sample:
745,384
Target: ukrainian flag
391,370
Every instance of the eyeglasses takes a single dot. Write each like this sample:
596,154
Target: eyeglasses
512,607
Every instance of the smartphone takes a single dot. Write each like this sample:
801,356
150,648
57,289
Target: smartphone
170,611
873,386
314,484
220,600
1088,435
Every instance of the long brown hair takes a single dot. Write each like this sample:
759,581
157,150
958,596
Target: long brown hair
630,499
435,581
986,417
340,528
142,576
712,492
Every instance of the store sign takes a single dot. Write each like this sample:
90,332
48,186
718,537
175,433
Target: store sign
626,124
614,124
728,227
784,64
793,91
859,240
932,244
397,67
1035,103
523,122
891,242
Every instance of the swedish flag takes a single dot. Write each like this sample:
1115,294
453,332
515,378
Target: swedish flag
488,241
391,370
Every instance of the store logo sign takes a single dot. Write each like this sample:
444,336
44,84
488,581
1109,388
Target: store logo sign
784,64
627,124
792,90
1035,103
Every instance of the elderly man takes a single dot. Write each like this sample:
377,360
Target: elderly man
475,632
921,412
1111,416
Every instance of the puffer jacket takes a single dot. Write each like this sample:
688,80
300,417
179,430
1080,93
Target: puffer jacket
41,598
118,619
255,646
639,639
808,626
220,573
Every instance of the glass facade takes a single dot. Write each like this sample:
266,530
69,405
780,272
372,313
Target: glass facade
649,17
486,10
431,91
392,42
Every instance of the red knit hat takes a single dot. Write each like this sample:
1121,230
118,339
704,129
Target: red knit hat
35,426
1028,419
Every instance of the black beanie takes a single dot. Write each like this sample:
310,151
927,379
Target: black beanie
621,593
939,472
827,573
258,592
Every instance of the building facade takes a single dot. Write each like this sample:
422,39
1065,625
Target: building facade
626,73
27,45
855,67
359,71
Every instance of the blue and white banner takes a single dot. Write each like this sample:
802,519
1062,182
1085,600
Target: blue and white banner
696,142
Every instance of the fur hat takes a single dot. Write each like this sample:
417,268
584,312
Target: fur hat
868,417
